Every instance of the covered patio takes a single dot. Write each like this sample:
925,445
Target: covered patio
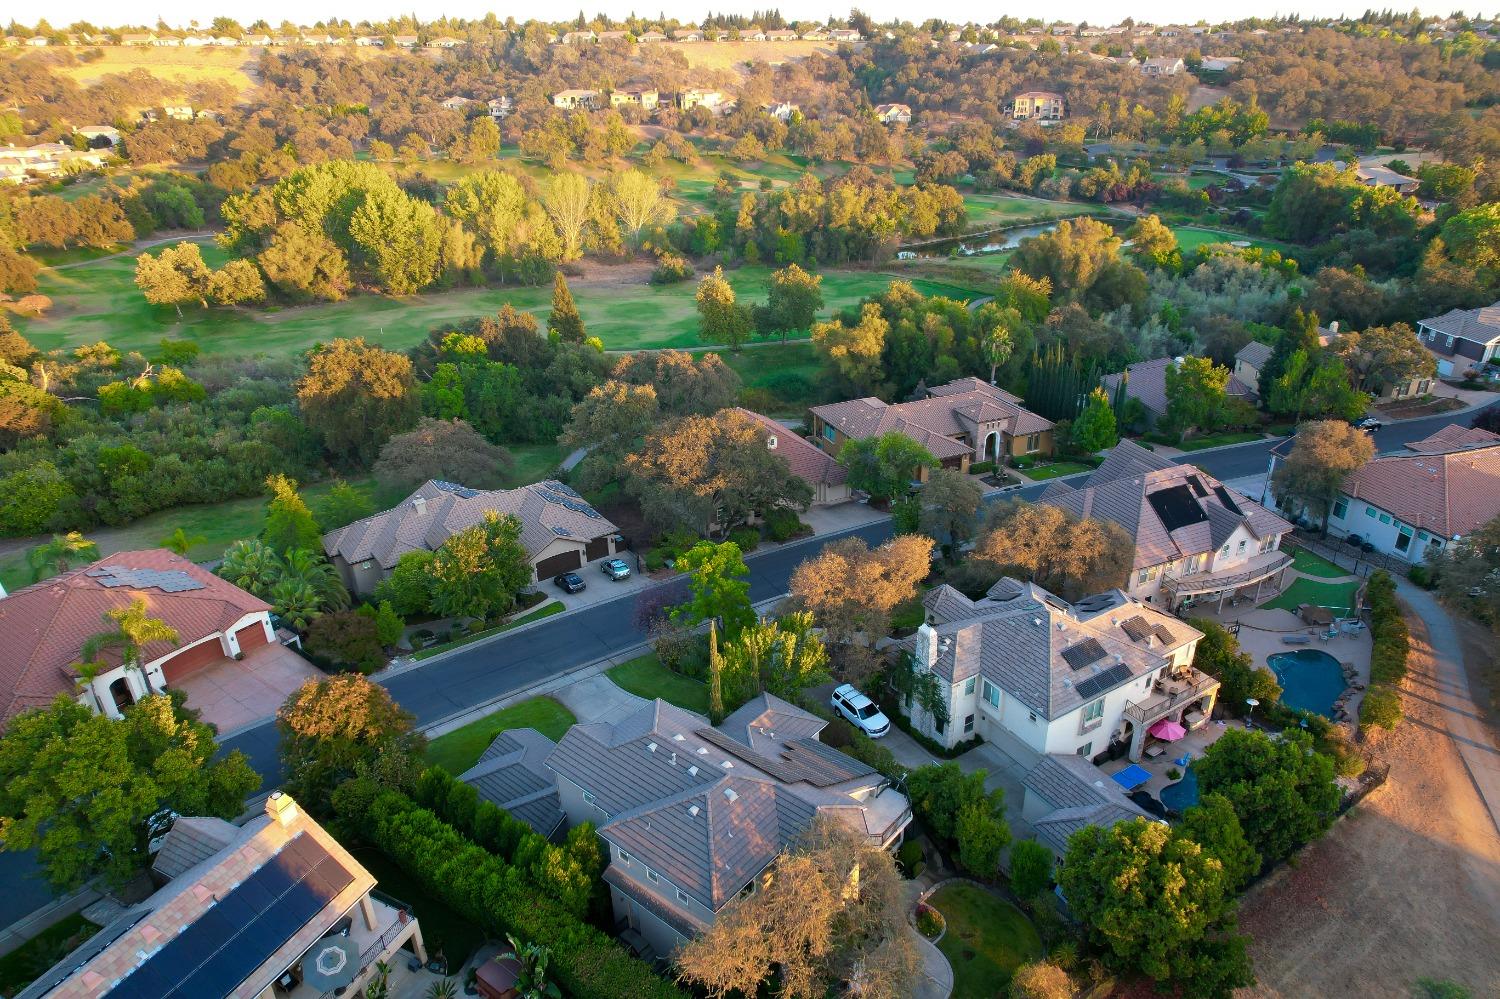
1259,577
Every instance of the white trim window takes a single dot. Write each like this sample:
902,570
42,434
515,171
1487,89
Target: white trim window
1091,715
991,694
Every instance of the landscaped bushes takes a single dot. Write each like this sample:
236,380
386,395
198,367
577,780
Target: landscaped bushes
496,896
1381,706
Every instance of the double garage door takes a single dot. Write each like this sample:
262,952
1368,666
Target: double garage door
564,562
206,653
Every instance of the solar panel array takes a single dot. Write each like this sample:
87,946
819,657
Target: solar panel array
166,580
1084,654
561,495
235,936
1139,629
1100,682
462,492
794,765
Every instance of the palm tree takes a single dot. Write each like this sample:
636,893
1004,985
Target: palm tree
296,601
532,982
319,574
251,565
180,541
133,630
60,554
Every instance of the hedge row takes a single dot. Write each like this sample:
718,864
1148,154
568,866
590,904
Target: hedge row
499,898
1381,705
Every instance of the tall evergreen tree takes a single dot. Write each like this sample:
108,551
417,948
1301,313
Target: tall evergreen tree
564,320
715,675
289,523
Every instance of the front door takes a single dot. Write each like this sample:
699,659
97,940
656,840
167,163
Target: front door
120,692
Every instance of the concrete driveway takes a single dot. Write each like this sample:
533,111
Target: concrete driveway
234,694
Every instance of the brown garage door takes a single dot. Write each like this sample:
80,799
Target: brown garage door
191,660
566,562
598,548
251,636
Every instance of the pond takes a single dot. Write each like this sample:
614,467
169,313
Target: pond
996,242
1311,679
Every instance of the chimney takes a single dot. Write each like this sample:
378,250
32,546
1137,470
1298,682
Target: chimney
282,808
1333,327
419,504
927,644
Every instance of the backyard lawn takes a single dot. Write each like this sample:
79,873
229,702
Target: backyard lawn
791,372
1336,596
1218,440
987,939
1191,237
1310,564
460,749
647,677
29,961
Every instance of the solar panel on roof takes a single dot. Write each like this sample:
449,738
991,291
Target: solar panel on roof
1084,654
166,580
239,932
462,492
1227,500
1177,507
1100,682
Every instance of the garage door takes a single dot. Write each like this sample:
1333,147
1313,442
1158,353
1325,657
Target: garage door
597,549
191,660
251,636
566,562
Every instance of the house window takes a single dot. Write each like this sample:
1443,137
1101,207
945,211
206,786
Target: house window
652,876
1385,518
1092,715
771,443
624,858
588,798
1369,511
938,726
829,433
1340,508
1142,577
1403,538
1087,749
968,724
682,896
1033,443
991,694
1241,549
969,685
1224,551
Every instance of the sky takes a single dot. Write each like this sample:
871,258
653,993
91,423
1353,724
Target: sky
180,12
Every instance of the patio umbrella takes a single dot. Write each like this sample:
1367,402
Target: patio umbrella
1167,730
333,962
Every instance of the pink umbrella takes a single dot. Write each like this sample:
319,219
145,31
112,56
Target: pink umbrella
1167,730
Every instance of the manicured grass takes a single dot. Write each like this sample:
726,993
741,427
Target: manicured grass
987,940
1335,596
987,211
647,677
460,749
1310,564
792,372
29,961
1218,440
547,610
1054,470
1189,238
444,930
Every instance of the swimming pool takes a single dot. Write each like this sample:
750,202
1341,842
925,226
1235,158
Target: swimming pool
1181,796
1310,679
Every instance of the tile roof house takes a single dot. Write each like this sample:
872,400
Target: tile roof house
1162,66
1194,538
818,469
1024,667
893,114
1411,505
265,906
43,629
1066,793
694,814
1375,175
1462,339
1147,381
512,774
559,530
963,421
573,99
1040,105
1248,362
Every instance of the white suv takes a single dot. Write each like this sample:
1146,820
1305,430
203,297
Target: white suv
860,711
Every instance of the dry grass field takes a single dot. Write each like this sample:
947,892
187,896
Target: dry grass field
184,66
734,55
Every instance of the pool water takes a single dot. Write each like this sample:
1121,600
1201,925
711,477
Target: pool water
1181,796
1310,679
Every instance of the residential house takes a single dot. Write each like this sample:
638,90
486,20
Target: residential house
512,774
1195,539
138,38
1220,64
37,41
651,36
614,36
814,466
195,41
17,163
780,35
500,107
693,98
579,38
274,907
95,133
687,35
752,34
645,98
559,530
1411,505
1375,175
178,112
1147,382
964,421
405,41
43,628
780,110
844,35
1065,29
693,814
1462,340
456,103
1249,361
1022,666
815,35
369,41
1064,794
893,114
575,99
445,42
1162,66
1040,105
256,40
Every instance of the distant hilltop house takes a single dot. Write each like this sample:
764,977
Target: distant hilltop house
97,133
445,42
645,98
780,110
713,100
559,530
1146,381
456,103
17,163
579,38
893,114
1382,176
779,35
575,99
138,38
613,36
405,41
1462,340
1039,105
500,107
1162,66
844,35
962,422
1220,64
647,37
687,35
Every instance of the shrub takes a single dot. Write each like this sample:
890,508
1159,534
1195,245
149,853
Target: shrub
1391,638
1422,576
929,920
783,524
1040,980
346,640
981,468
1381,708
909,857
670,269
1030,869
748,538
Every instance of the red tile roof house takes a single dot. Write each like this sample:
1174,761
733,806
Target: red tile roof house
964,421
43,628
819,470
1410,505
559,530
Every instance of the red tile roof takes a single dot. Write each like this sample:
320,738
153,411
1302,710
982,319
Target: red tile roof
43,627
806,461
1449,493
1453,437
959,407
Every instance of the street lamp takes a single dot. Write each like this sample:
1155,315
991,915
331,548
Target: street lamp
1251,716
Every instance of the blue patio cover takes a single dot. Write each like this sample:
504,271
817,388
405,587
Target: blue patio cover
1132,777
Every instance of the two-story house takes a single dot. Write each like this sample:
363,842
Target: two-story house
1146,381
576,99
1021,665
1462,339
1195,539
893,114
645,98
1039,105
693,814
963,421
1162,66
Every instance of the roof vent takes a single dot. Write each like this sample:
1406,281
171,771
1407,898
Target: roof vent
678,737
673,759
693,811
702,751
1059,626
727,765
650,747
730,794
1067,683
693,771
1119,658
1037,621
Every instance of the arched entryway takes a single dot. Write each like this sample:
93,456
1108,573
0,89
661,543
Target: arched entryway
992,446
122,695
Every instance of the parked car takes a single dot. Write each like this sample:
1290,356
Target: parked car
1369,424
615,569
570,582
860,710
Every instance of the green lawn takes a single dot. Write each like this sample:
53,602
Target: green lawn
1218,440
28,962
1336,596
547,610
987,940
1189,238
792,372
647,677
1055,470
1310,564
460,749
444,930
987,211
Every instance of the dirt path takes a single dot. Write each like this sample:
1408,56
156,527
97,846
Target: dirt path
136,247
1408,885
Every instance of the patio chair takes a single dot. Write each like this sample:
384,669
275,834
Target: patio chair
1183,760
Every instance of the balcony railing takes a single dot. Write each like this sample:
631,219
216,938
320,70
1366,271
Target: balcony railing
1167,700
1256,569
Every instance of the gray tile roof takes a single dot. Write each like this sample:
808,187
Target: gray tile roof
1479,325
547,510
1255,354
1080,794
1147,381
766,721
512,774
192,840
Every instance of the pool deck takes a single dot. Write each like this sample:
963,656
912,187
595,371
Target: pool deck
1193,744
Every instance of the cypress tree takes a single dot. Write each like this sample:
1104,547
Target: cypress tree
715,670
564,320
